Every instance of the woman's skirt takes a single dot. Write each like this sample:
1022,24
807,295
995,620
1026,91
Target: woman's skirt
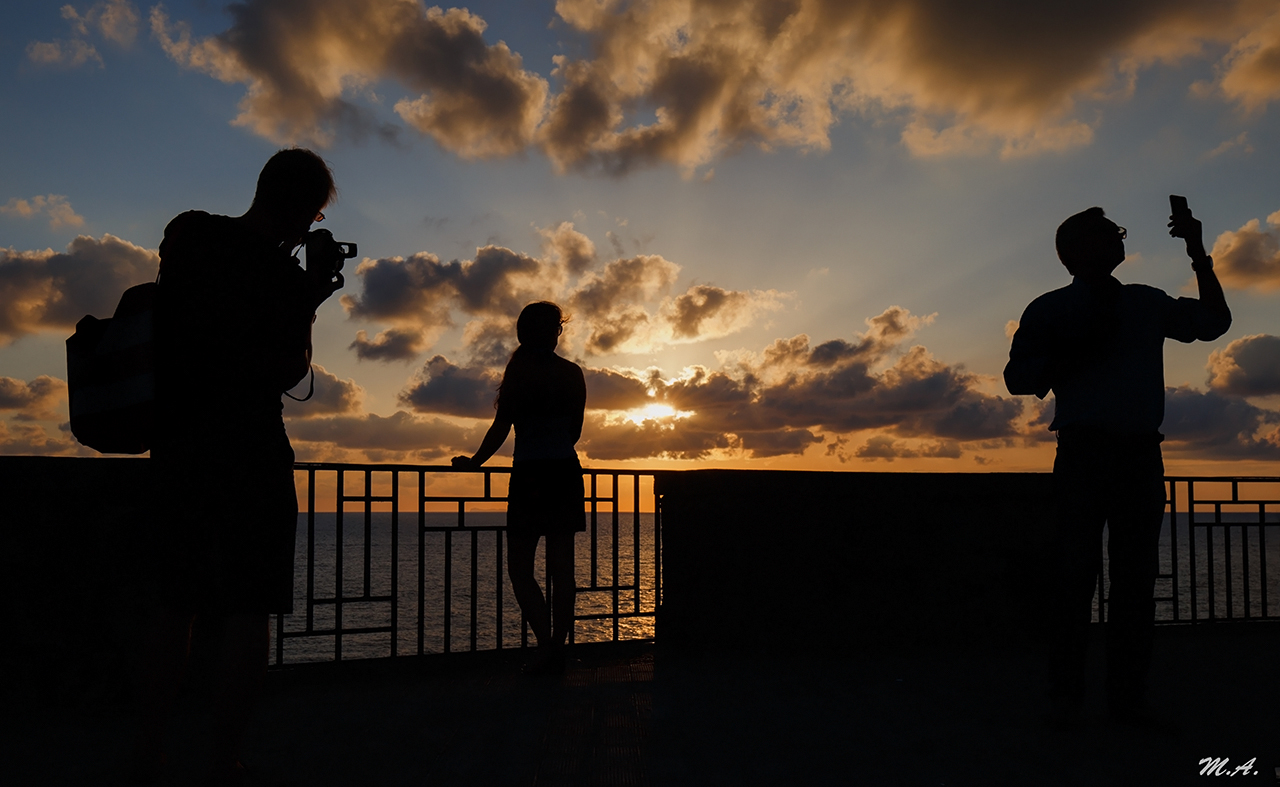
545,497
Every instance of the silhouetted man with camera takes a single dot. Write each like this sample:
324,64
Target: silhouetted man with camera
1098,345
232,333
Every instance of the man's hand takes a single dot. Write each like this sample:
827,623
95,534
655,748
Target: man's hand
320,287
463,463
1187,227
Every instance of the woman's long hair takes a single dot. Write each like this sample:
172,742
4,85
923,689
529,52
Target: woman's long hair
538,329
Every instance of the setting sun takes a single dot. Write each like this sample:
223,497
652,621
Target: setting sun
654,412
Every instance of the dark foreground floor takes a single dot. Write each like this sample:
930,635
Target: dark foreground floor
636,714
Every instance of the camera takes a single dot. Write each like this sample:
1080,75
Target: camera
326,255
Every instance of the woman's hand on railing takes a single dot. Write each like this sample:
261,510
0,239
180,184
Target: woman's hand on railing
464,463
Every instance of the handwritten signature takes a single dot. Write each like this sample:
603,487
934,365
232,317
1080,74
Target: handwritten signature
1218,766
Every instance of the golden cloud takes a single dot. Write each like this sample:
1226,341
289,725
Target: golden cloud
1249,256
304,63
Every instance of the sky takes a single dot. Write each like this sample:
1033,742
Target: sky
791,235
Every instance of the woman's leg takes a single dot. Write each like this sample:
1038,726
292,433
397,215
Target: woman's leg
560,574
520,553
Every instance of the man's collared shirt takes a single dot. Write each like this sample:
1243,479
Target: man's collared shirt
1101,351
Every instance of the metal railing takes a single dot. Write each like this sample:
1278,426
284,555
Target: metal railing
351,598
1214,550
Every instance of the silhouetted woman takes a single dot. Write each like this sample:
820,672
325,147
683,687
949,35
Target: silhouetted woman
543,396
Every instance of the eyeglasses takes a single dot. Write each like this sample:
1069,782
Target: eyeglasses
320,217
1124,233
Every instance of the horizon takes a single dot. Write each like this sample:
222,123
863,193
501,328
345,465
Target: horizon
789,237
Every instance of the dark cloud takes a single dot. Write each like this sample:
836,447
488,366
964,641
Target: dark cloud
38,400
705,311
887,448
421,290
394,344
610,389
490,341
305,61
779,443
442,387
1210,425
607,440
1249,366
47,290
331,396
400,434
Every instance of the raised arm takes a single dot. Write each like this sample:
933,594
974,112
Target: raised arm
1216,318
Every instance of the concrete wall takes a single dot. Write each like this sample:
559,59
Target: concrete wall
832,557
73,573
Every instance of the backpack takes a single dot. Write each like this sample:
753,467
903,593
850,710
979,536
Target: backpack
111,387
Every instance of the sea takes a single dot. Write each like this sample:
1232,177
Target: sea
461,608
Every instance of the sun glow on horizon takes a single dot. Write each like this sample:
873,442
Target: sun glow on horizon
655,411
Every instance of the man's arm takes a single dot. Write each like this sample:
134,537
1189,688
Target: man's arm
1029,369
1214,316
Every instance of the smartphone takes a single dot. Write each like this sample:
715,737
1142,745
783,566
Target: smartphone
1178,205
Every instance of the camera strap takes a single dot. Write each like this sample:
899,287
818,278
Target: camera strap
311,388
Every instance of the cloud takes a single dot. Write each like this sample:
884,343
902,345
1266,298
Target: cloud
1211,425
778,443
305,62
611,440
32,439
38,400
570,248
707,312
1249,366
398,436
421,290
395,344
332,396
615,389
55,206
778,401
1241,143
1250,72
887,448
441,387
672,82
47,290
1249,256
612,301
622,306
113,20
68,54
966,79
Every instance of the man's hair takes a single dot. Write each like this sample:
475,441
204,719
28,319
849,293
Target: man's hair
1075,238
295,176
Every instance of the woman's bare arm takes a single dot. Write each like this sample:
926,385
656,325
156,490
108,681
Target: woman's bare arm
493,440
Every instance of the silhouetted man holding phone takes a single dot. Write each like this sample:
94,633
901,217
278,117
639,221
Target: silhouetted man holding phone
1098,345
232,333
